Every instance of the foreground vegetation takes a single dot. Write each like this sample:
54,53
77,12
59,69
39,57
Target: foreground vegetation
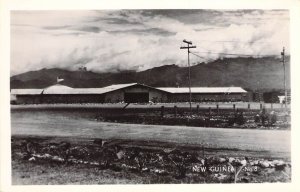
46,160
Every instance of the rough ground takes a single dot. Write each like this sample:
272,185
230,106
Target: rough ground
85,145
61,160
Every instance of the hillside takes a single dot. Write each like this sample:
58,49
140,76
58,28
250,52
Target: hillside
250,73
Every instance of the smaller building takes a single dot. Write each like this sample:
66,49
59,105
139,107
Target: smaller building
206,94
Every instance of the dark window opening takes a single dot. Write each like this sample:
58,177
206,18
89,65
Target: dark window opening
136,97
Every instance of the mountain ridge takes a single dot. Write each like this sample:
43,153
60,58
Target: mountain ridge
264,73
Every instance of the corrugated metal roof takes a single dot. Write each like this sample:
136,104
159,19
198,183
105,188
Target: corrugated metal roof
88,91
26,91
57,89
62,89
119,86
100,90
203,89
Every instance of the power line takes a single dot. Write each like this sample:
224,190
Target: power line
246,55
230,54
233,41
197,55
238,54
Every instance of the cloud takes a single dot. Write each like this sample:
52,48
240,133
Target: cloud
56,27
150,31
114,40
92,29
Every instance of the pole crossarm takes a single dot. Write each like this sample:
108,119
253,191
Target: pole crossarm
188,47
188,42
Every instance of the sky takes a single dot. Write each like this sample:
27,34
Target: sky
117,40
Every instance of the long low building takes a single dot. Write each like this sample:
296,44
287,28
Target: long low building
204,94
128,93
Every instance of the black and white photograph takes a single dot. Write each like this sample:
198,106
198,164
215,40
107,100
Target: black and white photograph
150,96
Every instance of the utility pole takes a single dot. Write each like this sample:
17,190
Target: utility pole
284,79
189,46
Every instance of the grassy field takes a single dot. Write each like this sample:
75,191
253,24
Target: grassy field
221,115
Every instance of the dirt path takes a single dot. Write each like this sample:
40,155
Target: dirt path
49,123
